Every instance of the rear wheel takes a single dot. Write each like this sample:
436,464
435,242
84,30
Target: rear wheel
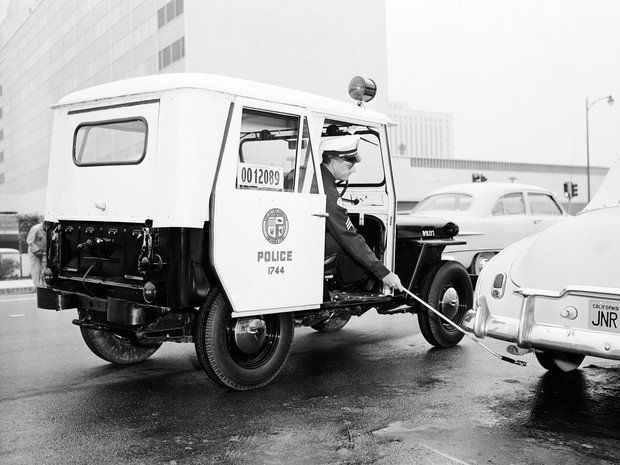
447,288
115,348
334,323
559,361
241,353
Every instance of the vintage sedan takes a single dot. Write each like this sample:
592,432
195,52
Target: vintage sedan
558,293
490,216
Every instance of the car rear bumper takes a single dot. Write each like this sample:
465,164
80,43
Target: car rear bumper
530,334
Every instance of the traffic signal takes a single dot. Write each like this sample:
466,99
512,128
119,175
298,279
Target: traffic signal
568,189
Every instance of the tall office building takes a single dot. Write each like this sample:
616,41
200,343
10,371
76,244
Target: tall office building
420,134
66,45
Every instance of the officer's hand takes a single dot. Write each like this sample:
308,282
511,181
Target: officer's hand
392,280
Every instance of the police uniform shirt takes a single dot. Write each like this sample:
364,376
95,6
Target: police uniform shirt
342,235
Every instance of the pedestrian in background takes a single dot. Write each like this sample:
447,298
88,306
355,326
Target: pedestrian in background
37,240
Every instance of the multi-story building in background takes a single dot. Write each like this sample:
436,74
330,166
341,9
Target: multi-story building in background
66,45
421,134
49,48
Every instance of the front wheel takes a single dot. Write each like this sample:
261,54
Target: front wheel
116,348
559,362
448,289
241,353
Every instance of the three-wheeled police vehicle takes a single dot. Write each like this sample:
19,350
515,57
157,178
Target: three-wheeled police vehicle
190,208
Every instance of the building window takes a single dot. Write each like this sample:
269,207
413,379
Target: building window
1,134
1,178
1,156
172,53
164,57
167,13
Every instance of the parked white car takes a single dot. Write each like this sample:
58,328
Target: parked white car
558,293
490,217
12,257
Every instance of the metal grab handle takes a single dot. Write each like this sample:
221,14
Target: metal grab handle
321,215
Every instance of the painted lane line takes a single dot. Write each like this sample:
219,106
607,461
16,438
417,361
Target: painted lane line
449,457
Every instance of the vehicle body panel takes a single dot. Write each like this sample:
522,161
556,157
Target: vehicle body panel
259,271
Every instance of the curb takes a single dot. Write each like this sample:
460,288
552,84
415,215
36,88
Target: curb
17,290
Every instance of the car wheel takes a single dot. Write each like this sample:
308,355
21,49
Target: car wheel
481,261
559,361
115,348
447,288
332,324
241,353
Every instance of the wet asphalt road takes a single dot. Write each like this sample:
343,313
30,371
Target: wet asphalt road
373,393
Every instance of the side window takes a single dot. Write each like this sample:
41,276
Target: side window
267,151
510,204
543,204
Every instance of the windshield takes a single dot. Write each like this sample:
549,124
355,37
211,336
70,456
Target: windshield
370,170
445,202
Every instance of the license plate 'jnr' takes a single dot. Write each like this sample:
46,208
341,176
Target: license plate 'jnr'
604,315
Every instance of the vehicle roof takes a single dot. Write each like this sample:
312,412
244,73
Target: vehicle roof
485,195
490,188
134,87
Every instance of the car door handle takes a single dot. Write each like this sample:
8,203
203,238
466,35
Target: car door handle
537,221
321,215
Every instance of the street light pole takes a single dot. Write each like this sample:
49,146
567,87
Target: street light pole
610,101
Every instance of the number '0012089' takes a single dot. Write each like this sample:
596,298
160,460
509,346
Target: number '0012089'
260,176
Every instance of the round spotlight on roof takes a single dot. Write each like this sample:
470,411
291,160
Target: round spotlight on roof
362,89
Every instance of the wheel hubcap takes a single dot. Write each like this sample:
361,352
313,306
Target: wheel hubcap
450,303
250,335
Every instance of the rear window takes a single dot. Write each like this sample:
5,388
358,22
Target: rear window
118,142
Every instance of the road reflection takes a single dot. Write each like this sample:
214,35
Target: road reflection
584,401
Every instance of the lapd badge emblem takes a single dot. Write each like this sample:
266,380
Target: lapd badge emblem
275,226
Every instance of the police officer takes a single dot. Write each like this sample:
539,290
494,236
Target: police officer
356,264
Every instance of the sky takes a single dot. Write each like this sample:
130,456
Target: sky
514,74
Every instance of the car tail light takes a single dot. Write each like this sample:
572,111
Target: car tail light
499,285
